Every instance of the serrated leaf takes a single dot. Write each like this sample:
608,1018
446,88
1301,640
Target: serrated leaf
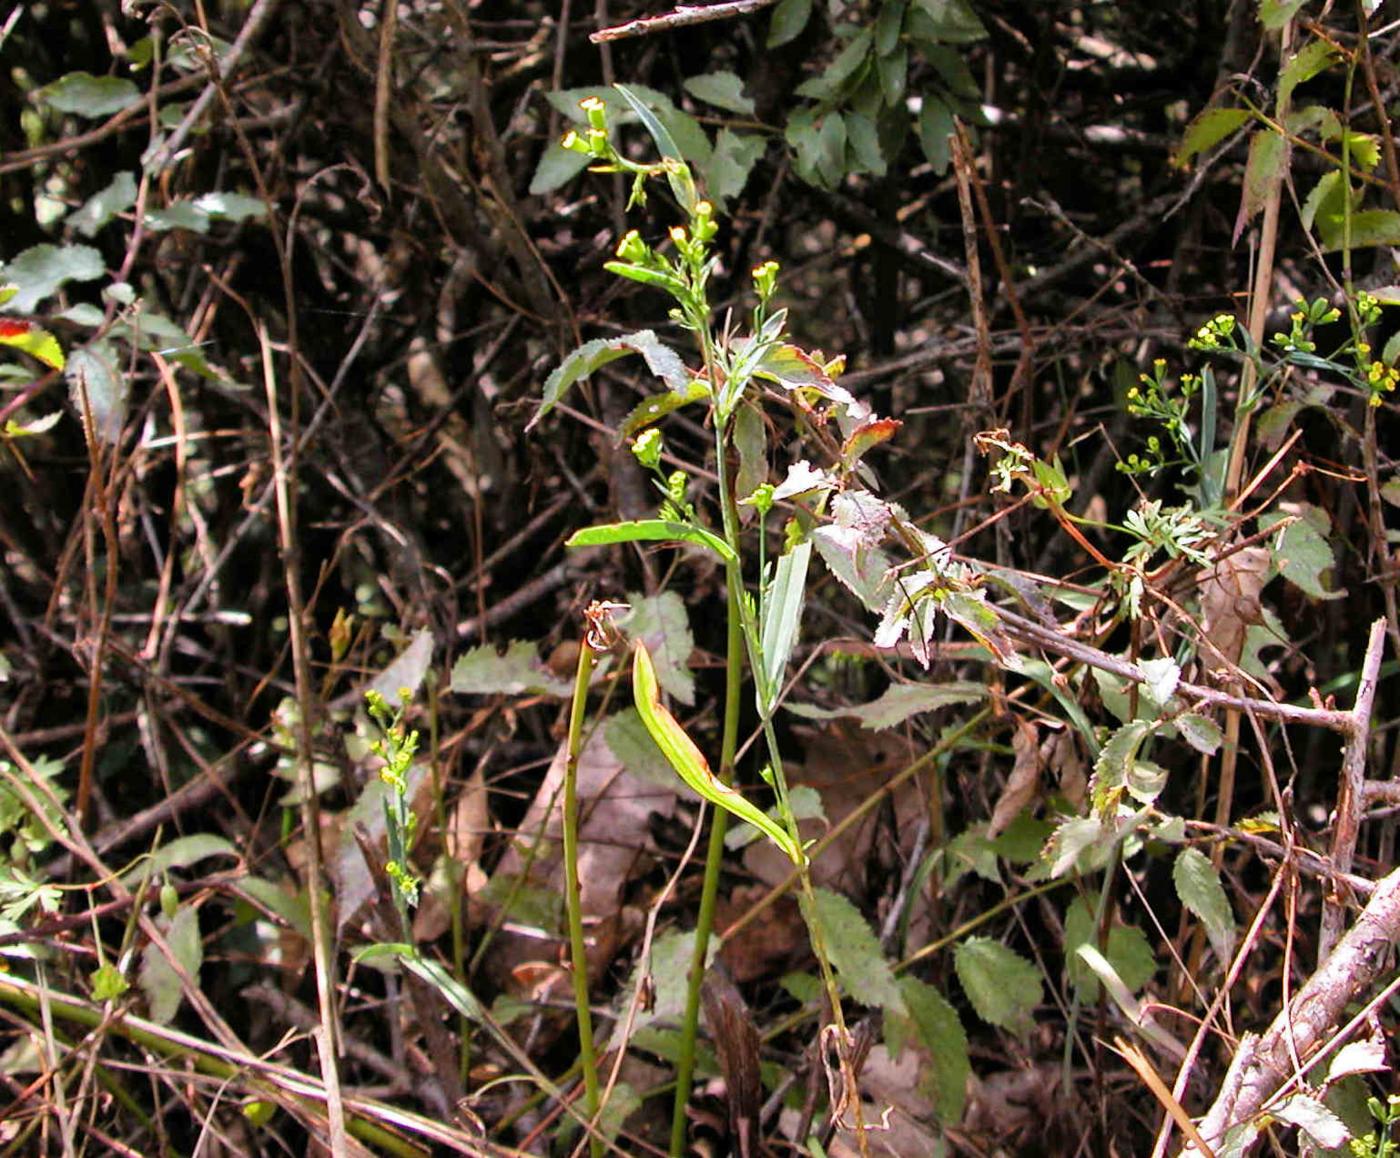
33,340
158,979
724,90
592,356
481,672
941,1032
652,409
662,623
1115,760
865,572
1302,556
899,702
98,392
1201,732
1199,889
1358,1057
1314,57
1268,155
1314,1119
1207,130
102,206
1003,986
651,531
855,953
1369,228
42,270
789,19
85,95
1129,952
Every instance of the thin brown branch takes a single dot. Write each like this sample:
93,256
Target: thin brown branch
682,16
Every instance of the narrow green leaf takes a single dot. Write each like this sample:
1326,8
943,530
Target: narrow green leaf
855,953
85,95
723,89
1003,986
782,616
1199,889
888,26
651,531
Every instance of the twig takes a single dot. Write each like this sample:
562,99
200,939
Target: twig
682,16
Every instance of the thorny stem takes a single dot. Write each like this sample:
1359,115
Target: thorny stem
577,949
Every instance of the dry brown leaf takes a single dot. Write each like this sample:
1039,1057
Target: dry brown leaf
1023,785
1230,599
1061,756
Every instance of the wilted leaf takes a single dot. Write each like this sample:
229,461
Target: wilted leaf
1358,1057
1023,784
1314,1119
592,356
1003,986
855,953
42,270
1268,155
1230,600
482,672
85,95
1199,889
408,668
158,979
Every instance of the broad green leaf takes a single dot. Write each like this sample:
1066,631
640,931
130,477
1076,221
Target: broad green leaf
98,392
1201,732
831,150
289,904
557,167
893,71
1369,228
733,159
198,215
1314,57
523,902
662,623
1207,130
723,89
855,953
865,572
482,672
85,95
789,19
782,617
682,186
899,702
180,853
950,21
651,531
1003,986
1302,554
158,979
42,270
971,852
1023,840
661,360
666,969
1129,952
1274,14
1199,889
935,127
863,143
942,1035
1083,842
1268,155
33,340
102,206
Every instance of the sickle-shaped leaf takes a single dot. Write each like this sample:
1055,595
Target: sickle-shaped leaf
690,763
652,530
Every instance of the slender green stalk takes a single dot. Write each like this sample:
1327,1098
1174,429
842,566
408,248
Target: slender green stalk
714,857
587,1059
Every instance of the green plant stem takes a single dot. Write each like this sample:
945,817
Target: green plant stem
577,951
714,857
